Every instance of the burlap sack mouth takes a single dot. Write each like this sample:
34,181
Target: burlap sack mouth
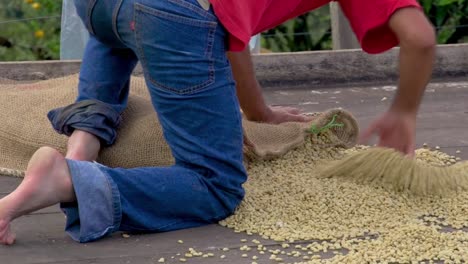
337,127
140,141
333,128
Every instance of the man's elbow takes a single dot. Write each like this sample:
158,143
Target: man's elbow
413,30
424,40
421,38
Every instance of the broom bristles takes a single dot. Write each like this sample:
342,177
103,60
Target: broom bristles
390,169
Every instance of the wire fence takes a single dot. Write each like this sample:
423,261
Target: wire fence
273,41
30,19
264,35
272,35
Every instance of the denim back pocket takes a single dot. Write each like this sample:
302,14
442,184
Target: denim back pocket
175,47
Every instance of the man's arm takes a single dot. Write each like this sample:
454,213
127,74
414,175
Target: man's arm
250,96
397,127
248,89
417,49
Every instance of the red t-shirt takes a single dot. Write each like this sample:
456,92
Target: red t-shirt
368,18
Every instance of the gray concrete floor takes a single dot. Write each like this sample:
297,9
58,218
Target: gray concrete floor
443,121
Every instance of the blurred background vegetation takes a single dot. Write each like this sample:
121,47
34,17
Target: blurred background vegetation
30,29
312,31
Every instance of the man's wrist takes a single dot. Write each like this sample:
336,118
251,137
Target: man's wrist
407,99
260,114
404,108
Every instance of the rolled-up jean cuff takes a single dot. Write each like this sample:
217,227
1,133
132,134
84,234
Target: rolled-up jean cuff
93,116
97,211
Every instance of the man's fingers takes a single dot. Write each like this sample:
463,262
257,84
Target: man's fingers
10,239
298,118
293,110
287,109
365,136
307,118
409,150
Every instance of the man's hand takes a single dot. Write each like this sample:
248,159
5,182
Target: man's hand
395,130
281,114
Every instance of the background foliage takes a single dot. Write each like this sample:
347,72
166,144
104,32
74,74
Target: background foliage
312,31
24,38
450,18
37,39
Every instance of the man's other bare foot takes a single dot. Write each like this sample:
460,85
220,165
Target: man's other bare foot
83,146
47,182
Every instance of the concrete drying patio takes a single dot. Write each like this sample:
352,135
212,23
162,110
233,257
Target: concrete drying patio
443,121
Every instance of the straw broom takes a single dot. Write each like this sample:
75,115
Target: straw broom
392,170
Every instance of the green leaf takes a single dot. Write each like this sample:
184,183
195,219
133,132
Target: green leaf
441,14
444,34
448,29
427,5
445,2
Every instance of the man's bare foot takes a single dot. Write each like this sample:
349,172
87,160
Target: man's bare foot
83,146
47,182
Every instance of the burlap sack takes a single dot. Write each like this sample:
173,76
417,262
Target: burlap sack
140,142
23,111
266,141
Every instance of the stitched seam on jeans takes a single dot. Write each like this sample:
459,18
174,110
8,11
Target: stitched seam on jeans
234,101
115,13
218,217
211,220
210,43
115,221
89,13
93,235
194,8
138,41
239,124
144,62
116,202
209,53
175,18
188,90
96,235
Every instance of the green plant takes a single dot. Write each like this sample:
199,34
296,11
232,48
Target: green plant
311,31
315,130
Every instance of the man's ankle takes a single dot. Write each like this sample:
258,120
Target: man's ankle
83,146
